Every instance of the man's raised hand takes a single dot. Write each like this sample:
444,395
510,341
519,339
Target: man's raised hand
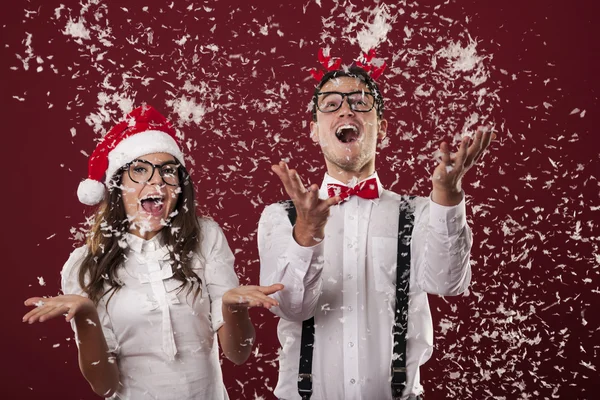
312,212
447,177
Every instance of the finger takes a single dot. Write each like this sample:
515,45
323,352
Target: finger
50,311
462,154
332,201
53,313
34,315
71,314
265,302
270,289
296,181
488,136
258,299
292,186
31,314
35,301
281,173
444,152
313,192
474,149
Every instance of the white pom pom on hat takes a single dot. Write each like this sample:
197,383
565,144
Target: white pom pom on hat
91,192
142,132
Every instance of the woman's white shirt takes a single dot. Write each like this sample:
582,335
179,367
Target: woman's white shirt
164,342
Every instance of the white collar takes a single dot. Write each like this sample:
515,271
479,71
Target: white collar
140,245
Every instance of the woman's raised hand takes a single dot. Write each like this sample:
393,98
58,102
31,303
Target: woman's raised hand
51,307
251,296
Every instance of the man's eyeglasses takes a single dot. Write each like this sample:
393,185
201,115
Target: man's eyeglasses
328,102
142,171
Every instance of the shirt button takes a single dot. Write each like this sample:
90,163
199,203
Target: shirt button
454,219
351,344
352,381
442,220
350,276
349,308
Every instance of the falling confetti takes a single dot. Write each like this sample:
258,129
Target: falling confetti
233,77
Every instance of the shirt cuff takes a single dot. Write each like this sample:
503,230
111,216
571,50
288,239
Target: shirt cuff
216,314
301,256
447,220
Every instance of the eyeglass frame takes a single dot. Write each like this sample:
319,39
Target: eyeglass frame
180,175
345,96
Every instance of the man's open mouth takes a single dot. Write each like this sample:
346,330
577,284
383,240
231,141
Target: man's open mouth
347,133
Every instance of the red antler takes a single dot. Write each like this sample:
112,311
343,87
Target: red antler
334,64
374,71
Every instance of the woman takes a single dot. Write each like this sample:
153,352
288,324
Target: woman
153,284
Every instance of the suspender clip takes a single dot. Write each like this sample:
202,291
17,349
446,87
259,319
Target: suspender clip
302,377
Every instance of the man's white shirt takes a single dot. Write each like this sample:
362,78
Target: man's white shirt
347,282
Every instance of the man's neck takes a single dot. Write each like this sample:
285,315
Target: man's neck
345,176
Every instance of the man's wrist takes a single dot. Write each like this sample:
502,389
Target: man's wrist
448,198
306,235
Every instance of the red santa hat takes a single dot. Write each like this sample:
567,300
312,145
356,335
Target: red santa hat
143,131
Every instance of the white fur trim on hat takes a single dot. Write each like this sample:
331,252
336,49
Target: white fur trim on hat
90,192
138,145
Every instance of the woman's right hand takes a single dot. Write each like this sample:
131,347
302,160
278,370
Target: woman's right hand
51,307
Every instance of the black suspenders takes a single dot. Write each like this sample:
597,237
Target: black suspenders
308,337
400,327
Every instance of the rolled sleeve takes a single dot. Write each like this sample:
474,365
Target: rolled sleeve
219,271
70,285
440,248
447,220
284,261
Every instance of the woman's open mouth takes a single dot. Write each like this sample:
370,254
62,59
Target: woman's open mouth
347,133
153,204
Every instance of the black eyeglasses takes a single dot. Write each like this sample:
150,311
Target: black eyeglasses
328,102
142,171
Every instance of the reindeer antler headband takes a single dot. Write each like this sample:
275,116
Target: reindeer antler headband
365,61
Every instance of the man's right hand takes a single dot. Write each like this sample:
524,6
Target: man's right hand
312,212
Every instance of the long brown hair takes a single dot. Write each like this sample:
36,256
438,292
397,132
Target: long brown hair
105,240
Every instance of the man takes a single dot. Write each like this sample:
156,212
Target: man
338,262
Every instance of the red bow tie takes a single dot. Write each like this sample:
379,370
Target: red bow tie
366,190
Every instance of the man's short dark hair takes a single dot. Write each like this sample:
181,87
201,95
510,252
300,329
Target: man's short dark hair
353,72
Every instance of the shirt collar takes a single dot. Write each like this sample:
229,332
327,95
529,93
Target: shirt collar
329,179
140,245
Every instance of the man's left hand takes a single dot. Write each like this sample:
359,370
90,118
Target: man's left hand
447,176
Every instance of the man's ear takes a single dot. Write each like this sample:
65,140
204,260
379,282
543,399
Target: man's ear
314,131
382,130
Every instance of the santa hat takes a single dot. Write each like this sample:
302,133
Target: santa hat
142,132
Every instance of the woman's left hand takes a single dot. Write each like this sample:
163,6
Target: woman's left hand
251,296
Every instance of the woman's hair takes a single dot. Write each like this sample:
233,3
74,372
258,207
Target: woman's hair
106,241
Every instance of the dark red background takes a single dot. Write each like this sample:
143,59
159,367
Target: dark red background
528,329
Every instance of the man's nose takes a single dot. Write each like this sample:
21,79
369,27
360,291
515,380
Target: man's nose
345,108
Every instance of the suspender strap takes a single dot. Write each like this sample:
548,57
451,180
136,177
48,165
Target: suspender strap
308,337
306,357
405,227
400,328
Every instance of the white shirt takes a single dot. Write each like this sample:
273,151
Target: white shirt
164,342
347,282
